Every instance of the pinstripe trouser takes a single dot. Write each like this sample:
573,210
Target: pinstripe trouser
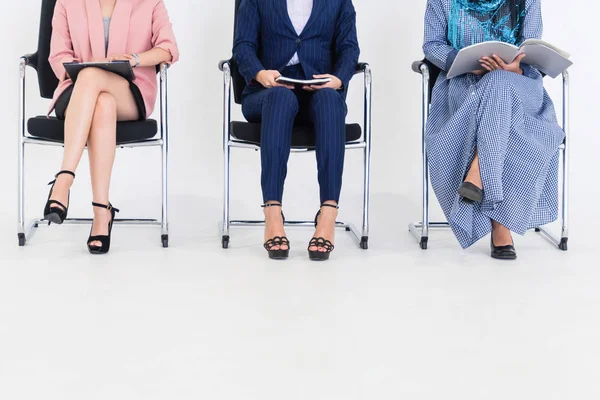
278,109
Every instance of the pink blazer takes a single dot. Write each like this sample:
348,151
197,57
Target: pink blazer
136,26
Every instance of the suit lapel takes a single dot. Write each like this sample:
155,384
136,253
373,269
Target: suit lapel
119,28
281,8
317,10
95,28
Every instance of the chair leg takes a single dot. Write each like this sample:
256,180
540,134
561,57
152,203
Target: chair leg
425,181
21,201
165,205
226,199
364,240
226,155
563,245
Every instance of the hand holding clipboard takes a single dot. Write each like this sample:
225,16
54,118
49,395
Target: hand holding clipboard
121,68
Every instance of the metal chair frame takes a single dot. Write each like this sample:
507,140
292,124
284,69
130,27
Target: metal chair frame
229,142
26,229
420,230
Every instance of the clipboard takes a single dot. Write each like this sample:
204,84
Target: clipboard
121,68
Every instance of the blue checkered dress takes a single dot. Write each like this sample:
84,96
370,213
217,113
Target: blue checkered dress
509,119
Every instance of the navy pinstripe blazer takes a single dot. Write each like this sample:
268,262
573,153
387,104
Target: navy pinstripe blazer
266,39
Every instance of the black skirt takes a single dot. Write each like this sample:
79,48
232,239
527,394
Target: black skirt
63,101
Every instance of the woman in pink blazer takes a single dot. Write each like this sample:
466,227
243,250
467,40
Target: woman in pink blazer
138,31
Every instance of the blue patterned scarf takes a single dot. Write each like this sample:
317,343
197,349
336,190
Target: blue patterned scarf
476,21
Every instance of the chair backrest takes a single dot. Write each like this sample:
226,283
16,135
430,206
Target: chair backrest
434,72
239,83
39,60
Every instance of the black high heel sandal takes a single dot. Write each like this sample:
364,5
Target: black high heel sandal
105,240
54,214
277,240
320,242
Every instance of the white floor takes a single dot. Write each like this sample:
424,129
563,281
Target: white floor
198,322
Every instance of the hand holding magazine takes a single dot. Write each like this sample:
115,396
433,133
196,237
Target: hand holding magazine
539,54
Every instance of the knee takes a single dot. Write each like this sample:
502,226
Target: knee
89,78
497,78
284,98
106,109
329,99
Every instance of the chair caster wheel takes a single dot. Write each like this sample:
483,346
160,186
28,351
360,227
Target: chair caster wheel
538,230
423,243
364,243
36,226
225,241
348,229
563,244
165,241
21,239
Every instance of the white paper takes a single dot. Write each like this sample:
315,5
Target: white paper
306,82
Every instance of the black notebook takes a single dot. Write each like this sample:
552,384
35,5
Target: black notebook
121,68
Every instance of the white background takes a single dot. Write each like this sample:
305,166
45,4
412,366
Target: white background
196,322
390,35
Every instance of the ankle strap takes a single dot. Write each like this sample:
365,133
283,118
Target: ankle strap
330,205
271,205
109,207
65,172
61,173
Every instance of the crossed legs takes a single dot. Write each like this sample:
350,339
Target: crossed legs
501,235
99,100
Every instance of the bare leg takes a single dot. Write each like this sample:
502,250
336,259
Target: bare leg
474,174
274,224
326,225
501,235
90,84
101,150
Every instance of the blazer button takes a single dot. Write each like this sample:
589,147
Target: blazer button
298,41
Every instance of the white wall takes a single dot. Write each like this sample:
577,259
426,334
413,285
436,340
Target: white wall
390,34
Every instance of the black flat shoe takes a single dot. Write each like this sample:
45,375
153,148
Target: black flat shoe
54,214
320,242
503,252
277,241
470,193
105,240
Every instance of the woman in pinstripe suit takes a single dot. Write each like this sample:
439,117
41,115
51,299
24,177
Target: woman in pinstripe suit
299,39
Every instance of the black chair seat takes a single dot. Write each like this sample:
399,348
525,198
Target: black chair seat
52,129
303,136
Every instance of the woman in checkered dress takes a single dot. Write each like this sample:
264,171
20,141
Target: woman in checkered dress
492,136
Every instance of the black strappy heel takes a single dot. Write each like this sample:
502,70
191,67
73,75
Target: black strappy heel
320,242
105,240
55,214
277,240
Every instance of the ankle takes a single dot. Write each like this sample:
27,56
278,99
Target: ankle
101,212
64,181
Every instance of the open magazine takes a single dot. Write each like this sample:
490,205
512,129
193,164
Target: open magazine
539,54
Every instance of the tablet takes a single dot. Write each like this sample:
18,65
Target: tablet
121,68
